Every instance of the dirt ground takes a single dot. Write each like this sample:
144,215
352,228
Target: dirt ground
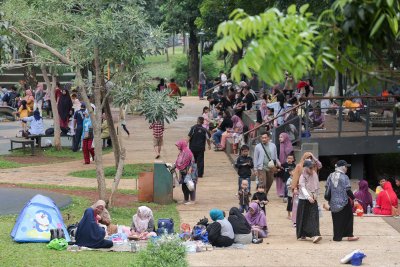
120,200
37,159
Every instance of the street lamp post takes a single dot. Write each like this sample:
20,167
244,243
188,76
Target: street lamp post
201,34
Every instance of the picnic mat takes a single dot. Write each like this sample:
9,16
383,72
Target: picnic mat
118,247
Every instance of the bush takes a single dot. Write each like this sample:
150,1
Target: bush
210,63
168,251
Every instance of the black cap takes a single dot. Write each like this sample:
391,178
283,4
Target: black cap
308,163
342,163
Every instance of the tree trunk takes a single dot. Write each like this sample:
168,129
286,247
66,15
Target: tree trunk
113,133
118,174
194,57
173,43
56,119
166,52
184,42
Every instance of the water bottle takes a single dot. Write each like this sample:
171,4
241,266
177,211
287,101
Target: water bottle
369,209
373,204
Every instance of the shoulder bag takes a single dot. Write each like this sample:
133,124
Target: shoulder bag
395,211
271,163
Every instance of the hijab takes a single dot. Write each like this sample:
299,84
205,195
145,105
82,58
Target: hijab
285,147
258,218
216,214
89,233
36,115
237,123
64,105
142,218
363,194
312,181
39,87
239,223
336,175
185,155
263,109
387,187
28,93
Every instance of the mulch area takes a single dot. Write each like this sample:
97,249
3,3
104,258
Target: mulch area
120,200
37,159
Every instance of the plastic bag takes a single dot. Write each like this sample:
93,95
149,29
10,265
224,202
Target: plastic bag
58,244
190,185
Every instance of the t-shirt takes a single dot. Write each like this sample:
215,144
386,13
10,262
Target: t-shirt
260,196
285,172
248,100
226,123
79,116
198,137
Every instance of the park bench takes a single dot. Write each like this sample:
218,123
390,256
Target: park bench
24,142
38,138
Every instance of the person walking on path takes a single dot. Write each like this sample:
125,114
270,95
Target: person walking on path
339,188
64,107
203,84
198,136
184,164
307,223
158,133
285,149
87,139
296,177
79,116
264,153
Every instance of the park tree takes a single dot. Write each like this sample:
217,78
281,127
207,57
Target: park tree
85,34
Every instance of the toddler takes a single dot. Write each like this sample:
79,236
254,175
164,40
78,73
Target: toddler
244,196
289,193
260,197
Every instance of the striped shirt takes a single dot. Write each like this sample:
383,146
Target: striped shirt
158,129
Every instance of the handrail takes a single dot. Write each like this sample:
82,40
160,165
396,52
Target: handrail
349,97
274,118
212,88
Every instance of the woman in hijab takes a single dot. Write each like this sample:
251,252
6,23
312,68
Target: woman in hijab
385,200
64,106
220,232
296,177
143,223
36,123
307,219
363,195
184,164
236,129
39,96
241,226
30,100
338,184
285,149
257,220
89,233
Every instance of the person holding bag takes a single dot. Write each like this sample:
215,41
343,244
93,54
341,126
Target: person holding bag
184,164
87,139
266,161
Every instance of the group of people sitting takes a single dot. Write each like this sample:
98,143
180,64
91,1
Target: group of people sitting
95,227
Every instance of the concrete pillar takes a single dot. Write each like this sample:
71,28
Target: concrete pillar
357,167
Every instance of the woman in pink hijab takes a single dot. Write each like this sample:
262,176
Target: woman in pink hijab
30,100
184,164
285,149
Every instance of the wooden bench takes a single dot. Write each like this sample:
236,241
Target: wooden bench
39,138
24,142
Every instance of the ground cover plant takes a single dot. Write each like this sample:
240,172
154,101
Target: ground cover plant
131,171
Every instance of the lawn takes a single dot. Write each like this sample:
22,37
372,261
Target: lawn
37,254
131,171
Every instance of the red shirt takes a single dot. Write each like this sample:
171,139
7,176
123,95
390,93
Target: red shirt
158,129
175,91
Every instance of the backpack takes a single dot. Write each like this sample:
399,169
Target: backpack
72,231
12,100
165,226
354,116
49,131
200,233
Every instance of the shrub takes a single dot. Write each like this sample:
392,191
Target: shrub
168,251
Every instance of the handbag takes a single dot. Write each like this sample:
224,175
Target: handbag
88,134
271,163
395,211
327,195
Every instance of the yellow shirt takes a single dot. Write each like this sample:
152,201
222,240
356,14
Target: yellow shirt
23,113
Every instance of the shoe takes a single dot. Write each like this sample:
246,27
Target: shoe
284,200
257,240
317,239
190,203
158,156
353,238
294,225
303,238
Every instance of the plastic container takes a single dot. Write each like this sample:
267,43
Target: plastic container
356,259
369,209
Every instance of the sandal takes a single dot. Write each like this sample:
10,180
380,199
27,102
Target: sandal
353,238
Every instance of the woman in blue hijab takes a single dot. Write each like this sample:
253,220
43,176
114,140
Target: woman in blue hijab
89,233
220,232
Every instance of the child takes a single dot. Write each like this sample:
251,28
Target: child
244,196
206,113
158,133
289,193
289,164
244,165
260,197
23,112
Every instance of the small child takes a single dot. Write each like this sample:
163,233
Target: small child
206,116
244,165
260,197
244,196
289,193
289,164
23,112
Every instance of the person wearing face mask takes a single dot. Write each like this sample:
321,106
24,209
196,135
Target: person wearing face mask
89,233
338,184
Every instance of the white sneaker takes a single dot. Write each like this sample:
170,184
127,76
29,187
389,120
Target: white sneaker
316,239
189,203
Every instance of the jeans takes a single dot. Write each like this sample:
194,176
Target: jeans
203,90
245,178
243,208
217,136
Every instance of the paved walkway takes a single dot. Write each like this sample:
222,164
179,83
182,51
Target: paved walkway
379,241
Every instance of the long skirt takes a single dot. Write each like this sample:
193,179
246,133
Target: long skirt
343,223
307,221
280,186
294,208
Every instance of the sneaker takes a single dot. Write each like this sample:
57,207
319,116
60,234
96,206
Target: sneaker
303,238
284,200
316,239
189,203
257,240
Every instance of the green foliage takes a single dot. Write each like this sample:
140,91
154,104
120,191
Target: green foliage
131,171
158,106
168,251
274,43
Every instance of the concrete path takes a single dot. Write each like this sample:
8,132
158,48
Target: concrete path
379,241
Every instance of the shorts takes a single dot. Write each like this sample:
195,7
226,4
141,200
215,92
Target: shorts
157,141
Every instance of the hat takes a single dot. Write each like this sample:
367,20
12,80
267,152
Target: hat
342,163
301,84
83,105
308,163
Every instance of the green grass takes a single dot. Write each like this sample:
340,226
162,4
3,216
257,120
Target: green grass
37,254
131,171
6,164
